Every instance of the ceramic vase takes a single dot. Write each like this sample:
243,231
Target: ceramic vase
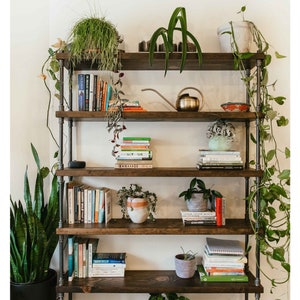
242,34
220,143
137,209
197,203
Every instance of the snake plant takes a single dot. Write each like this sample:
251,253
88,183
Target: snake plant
167,34
33,225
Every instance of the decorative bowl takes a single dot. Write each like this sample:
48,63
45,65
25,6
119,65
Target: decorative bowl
235,106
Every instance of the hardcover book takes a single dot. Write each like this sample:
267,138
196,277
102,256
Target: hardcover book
109,257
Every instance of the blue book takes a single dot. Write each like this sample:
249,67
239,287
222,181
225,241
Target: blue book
109,258
87,92
81,88
108,96
71,257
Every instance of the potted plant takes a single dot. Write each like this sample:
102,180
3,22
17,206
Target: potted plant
95,39
198,195
221,134
272,229
185,264
166,296
33,239
136,203
167,35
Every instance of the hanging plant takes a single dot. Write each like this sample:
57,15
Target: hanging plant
272,189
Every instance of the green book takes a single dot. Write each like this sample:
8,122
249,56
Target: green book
220,278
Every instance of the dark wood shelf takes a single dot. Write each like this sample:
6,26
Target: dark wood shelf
157,227
156,172
155,282
140,61
161,116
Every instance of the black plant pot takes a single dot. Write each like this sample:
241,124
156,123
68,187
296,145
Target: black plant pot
45,290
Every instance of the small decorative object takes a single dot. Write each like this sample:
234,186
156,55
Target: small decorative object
198,193
221,135
185,264
137,204
235,106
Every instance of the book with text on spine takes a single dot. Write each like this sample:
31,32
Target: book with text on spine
109,257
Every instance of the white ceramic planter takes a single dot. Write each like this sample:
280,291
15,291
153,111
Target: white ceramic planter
197,203
220,143
137,209
242,33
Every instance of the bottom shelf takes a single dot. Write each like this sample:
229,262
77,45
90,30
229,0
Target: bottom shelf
155,282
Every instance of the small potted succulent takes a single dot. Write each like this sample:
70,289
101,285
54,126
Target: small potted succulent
185,264
221,134
198,195
136,203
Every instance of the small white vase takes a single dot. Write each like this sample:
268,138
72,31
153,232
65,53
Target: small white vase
196,203
242,34
137,209
220,143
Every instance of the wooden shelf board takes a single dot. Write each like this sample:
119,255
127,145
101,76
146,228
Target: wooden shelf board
156,172
140,61
150,281
161,116
158,227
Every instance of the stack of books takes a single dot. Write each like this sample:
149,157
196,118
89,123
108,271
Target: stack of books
133,105
109,264
223,261
198,217
134,152
210,159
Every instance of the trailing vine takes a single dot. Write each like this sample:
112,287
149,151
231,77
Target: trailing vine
273,232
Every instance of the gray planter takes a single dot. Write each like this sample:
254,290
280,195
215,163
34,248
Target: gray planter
184,268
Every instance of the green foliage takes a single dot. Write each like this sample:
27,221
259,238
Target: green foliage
188,255
95,39
136,191
33,236
197,186
50,67
272,189
167,34
167,296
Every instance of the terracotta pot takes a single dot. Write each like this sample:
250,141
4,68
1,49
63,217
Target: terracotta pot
184,268
137,209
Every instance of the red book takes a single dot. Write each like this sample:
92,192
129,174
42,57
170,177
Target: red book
219,216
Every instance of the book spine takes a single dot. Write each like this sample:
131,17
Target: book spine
76,258
81,89
108,261
133,166
219,206
87,91
199,222
70,258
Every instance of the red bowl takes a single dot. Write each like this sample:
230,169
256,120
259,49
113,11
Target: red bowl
235,106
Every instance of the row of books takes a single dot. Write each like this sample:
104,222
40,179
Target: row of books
96,94
214,217
223,261
135,152
84,261
87,204
211,159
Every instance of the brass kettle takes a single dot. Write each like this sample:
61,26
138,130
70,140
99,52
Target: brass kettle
184,102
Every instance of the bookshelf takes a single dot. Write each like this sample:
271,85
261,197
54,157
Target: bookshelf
155,281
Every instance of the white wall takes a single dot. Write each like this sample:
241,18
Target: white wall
35,25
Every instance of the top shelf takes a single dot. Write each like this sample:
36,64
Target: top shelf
140,61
